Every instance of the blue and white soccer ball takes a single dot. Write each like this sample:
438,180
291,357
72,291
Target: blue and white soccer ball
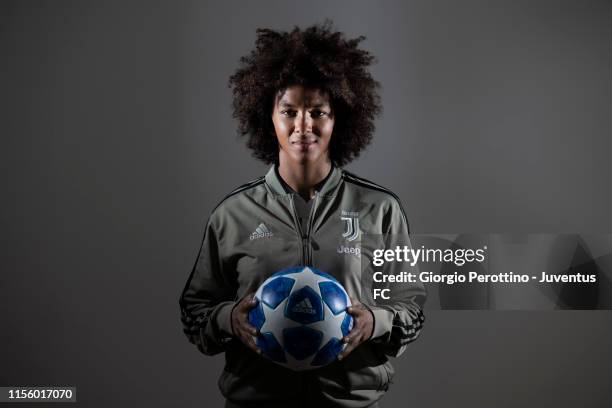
301,315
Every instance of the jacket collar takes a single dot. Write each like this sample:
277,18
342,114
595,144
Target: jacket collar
275,183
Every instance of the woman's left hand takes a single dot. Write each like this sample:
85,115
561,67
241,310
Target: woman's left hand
363,327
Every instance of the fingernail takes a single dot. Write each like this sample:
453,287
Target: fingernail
339,357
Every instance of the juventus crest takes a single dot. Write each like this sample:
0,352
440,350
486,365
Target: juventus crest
351,225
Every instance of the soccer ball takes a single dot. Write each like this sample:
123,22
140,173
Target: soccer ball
301,315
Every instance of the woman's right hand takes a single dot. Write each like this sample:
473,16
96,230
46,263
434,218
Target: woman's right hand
240,322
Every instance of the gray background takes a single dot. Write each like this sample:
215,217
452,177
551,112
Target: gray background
117,141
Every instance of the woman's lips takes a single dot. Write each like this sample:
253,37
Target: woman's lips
303,144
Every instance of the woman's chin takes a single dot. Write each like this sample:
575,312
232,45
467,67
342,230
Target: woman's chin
305,154
305,158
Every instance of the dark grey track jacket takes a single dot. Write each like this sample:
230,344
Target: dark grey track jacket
255,232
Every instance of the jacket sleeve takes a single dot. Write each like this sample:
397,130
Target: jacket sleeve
208,298
399,320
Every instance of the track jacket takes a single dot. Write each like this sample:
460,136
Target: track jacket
255,232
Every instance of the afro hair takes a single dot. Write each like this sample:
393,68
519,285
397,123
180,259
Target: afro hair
316,57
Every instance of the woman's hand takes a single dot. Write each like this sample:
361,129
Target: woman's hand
363,327
240,322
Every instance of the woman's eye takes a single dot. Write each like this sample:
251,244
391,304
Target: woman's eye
289,113
317,113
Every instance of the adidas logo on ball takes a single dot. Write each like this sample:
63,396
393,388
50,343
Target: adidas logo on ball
305,306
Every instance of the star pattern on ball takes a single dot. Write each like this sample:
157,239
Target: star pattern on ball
303,323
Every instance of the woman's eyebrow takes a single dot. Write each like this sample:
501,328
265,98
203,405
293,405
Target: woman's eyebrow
285,104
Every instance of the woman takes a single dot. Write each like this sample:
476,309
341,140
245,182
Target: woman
306,103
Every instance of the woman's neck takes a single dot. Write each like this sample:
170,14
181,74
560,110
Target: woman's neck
303,177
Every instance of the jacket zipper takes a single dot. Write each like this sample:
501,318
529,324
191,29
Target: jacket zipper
313,209
305,240
298,228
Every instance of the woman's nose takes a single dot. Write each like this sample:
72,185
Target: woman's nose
303,123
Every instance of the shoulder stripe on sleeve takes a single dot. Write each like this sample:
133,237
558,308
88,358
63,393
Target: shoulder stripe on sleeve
191,322
351,178
242,188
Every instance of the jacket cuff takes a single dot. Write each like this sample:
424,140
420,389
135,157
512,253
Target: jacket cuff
383,321
224,318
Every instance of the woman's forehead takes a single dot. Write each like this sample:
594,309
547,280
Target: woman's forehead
300,95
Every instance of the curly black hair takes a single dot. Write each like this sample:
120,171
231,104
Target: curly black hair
316,57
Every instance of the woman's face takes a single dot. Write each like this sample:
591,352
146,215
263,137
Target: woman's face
304,123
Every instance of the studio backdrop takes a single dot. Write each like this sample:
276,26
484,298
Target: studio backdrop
118,141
